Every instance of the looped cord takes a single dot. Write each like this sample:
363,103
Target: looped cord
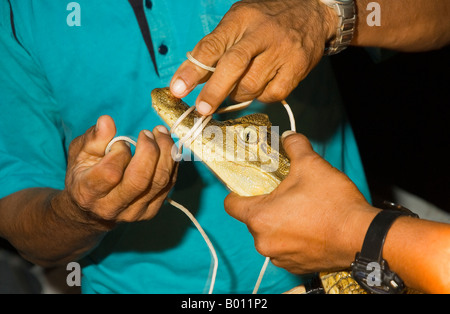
200,126
117,139
185,211
198,63
187,139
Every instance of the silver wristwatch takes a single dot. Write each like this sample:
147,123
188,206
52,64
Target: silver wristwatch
346,12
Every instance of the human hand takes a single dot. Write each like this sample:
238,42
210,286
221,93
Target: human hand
262,48
118,187
315,220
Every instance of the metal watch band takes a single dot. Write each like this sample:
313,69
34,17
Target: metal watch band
346,27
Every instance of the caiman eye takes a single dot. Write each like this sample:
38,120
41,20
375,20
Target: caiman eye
249,135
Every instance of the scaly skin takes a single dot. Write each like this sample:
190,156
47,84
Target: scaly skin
248,176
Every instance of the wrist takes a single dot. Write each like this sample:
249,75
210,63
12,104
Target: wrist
68,211
353,232
344,28
330,21
371,253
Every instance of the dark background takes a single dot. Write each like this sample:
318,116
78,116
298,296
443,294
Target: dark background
399,110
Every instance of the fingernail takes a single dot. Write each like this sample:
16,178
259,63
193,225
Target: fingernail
149,134
162,129
179,87
204,108
286,134
97,125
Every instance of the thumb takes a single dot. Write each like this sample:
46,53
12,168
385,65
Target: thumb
241,207
296,145
98,137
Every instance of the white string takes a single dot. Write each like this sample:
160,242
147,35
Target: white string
223,110
205,237
185,211
261,274
119,138
290,114
198,63
193,133
187,139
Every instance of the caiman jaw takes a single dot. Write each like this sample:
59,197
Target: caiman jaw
246,177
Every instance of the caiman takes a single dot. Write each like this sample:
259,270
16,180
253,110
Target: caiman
245,155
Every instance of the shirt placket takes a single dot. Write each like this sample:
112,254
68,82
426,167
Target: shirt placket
164,43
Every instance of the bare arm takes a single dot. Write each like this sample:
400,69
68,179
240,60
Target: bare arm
419,251
50,227
46,229
407,25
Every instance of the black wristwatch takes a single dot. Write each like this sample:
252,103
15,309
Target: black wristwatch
369,269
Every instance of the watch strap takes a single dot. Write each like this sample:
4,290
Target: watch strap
372,252
372,248
345,29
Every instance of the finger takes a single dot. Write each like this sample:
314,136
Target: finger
105,175
241,207
166,164
141,210
207,51
187,77
296,145
254,81
138,174
156,202
98,137
280,86
229,70
147,205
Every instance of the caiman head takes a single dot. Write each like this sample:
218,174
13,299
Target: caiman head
245,153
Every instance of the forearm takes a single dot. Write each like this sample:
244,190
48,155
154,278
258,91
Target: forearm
419,251
406,25
416,249
46,229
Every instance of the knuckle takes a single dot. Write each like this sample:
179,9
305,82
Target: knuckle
76,145
211,45
138,183
257,224
161,179
105,214
311,160
152,209
249,85
129,215
279,263
101,212
276,92
112,175
83,201
245,9
262,247
237,57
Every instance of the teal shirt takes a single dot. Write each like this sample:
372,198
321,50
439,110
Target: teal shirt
56,80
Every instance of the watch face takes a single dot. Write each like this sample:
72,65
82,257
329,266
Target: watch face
373,280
